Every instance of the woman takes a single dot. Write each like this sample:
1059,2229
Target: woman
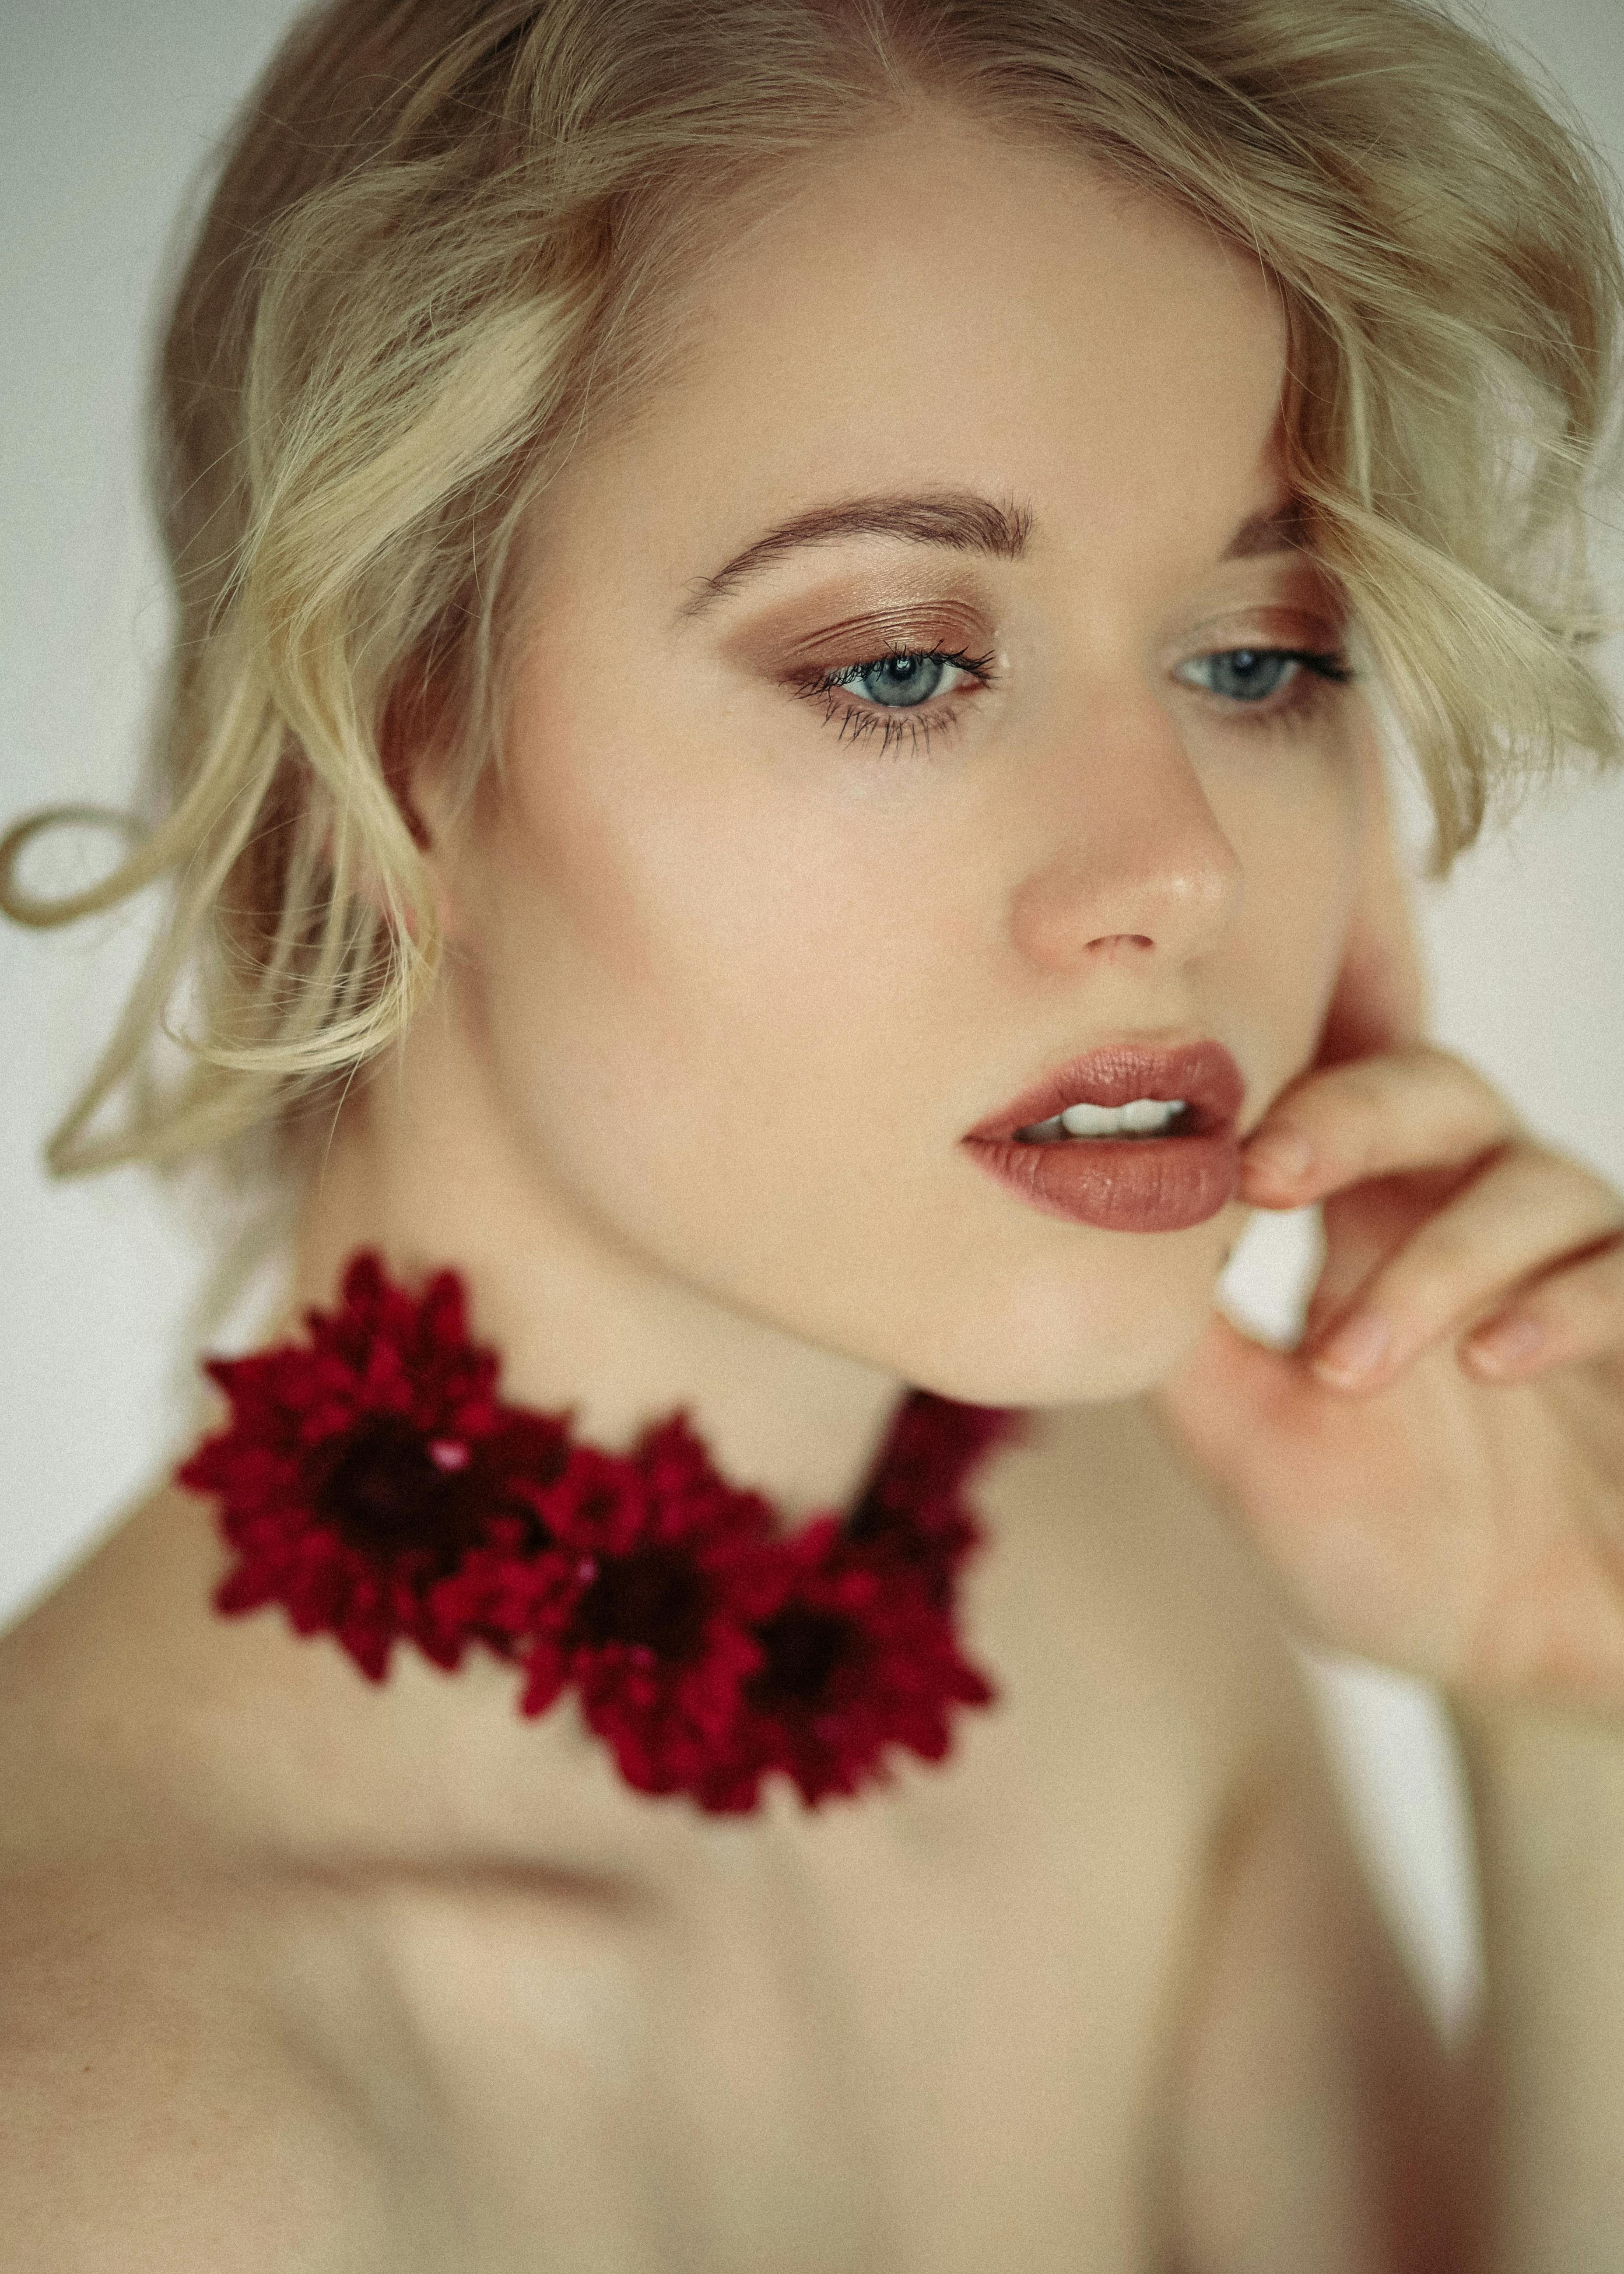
772,758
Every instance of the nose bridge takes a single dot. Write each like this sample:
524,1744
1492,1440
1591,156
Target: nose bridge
1133,856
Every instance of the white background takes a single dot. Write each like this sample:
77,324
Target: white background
105,114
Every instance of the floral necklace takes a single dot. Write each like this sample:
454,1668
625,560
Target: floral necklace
373,1482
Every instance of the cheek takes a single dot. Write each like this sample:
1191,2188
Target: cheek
680,959
1297,829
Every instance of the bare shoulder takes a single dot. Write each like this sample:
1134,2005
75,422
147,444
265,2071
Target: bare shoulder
1317,2115
161,2106
1313,2114
148,2119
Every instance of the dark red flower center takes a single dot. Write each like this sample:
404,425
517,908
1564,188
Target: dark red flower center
384,1492
864,1517
656,1599
804,1649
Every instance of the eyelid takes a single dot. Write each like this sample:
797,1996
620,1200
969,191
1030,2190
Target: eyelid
857,627
1272,624
896,631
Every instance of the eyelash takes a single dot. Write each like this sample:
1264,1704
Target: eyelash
896,724
1321,669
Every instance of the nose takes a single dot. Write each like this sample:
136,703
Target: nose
1133,863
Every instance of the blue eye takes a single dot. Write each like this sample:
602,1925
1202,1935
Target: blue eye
1253,674
898,682
903,698
1248,674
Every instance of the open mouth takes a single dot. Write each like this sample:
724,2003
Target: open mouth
1140,1117
1131,1137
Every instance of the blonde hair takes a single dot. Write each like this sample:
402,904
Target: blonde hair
445,229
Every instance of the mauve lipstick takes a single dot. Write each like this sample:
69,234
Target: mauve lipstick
1125,1184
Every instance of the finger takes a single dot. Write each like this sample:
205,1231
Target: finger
1576,1311
1364,1227
1418,1108
1517,1217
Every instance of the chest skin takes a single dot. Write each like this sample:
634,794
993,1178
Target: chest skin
929,2030
932,2029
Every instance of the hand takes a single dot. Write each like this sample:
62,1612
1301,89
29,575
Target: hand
1436,1474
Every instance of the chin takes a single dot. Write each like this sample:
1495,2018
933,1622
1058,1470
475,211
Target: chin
1070,1335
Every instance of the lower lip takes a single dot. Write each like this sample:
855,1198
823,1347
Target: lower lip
1121,1184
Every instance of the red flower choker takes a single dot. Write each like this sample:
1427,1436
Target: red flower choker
373,1482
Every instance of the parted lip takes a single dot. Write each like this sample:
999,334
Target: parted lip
1202,1073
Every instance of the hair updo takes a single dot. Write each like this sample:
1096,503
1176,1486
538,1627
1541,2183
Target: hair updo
444,233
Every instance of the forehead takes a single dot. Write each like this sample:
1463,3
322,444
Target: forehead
942,304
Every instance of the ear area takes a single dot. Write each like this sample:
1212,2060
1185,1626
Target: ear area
411,749
1380,999
406,734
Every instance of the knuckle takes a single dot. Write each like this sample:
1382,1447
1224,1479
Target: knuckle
1378,1110
1356,1111
1471,1116
1435,1056
1569,1197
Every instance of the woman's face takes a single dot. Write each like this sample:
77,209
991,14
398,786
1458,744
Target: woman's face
750,938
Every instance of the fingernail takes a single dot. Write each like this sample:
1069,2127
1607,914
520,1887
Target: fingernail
1505,1345
1355,1350
1285,1154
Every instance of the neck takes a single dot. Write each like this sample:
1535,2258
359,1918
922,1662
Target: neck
419,1168
580,1322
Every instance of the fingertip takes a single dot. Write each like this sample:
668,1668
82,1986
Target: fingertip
1279,1154
1276,1169
1355,1353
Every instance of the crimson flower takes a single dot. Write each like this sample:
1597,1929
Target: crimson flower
912,1514
671,1564
361,1467
858,1653
373,1482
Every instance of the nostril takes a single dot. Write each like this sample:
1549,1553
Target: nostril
1109,940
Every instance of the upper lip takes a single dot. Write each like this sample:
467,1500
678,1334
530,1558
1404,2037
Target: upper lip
1202,1073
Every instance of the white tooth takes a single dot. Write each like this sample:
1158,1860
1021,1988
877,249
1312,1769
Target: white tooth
1141,1116
1089,1121
1146,1113
1045,1129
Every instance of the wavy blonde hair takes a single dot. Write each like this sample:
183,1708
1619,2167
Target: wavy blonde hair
444,231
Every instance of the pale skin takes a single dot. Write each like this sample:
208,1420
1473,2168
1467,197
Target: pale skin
295,1974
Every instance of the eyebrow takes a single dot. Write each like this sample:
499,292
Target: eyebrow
959,519
1278,529
962,519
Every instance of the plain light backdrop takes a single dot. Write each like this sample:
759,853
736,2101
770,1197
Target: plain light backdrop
105,116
